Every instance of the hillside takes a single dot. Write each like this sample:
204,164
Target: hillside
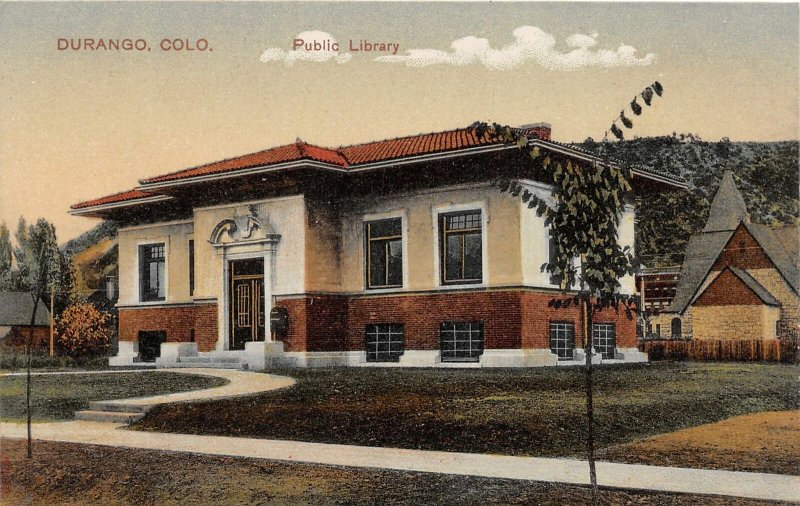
94,256
766,172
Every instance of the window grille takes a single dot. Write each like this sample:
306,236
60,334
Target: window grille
385,342
461,341
562,339
604,338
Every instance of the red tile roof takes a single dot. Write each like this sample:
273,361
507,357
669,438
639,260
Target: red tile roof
346,156
115,198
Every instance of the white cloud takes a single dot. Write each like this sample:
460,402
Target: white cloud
530,44
316,46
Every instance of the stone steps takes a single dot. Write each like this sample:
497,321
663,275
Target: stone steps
210,359
108,416
117,407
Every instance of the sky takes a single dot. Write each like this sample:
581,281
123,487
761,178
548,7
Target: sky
76,124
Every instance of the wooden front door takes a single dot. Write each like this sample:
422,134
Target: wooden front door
247,302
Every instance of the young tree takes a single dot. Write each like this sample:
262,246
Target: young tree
39,262
589,201
6,283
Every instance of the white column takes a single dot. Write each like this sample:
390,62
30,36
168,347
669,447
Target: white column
223,307
269,254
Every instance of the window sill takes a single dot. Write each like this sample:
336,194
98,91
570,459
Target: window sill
461,285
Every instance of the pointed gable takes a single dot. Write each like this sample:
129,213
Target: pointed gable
728,208
744,251
735,287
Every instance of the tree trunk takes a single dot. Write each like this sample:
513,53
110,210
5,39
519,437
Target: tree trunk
28,385
586,317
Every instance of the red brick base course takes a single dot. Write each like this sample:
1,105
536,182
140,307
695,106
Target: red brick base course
512,318
184,323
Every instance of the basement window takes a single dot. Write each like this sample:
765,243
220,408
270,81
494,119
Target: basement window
461,341
385,342
604,339
562,339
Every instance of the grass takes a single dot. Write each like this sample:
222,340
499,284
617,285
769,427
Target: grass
57,397
62,473
766,442
16,360
516,412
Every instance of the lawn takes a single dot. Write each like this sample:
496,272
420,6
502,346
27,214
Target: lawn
57,397
537,412
62,473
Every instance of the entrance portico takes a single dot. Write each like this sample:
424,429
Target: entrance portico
247,245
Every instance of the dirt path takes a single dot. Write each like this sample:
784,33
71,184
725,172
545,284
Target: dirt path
760,442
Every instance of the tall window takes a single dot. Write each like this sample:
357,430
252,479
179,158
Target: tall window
552,253
384,253
152,272
461,247
562,339
191,267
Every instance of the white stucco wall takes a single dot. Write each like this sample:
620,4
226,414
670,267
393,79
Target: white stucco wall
175,236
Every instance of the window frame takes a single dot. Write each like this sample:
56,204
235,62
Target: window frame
555,350
384,330
444,234
474,326
144,295
386,241
597,338
191,267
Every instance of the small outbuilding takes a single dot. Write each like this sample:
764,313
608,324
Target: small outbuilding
16,309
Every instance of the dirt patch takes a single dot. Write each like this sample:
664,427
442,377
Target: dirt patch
75,474
760,442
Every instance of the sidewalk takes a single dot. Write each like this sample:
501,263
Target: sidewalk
627,476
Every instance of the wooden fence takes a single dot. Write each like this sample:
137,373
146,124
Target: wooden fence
723,350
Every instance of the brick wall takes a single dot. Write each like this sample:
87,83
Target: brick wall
727,290
511,319
17,337
181,323
205,327
423,314
742,251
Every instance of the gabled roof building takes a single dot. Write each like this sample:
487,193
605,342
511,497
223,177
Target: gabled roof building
739,280
16,309
394,252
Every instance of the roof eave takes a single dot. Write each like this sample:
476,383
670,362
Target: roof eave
89,210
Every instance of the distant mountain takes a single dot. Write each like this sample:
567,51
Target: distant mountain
767,173
94,256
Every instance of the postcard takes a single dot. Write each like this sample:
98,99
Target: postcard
399,253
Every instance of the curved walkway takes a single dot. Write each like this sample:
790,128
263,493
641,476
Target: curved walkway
239,383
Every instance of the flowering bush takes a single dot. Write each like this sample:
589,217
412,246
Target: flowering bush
82,330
